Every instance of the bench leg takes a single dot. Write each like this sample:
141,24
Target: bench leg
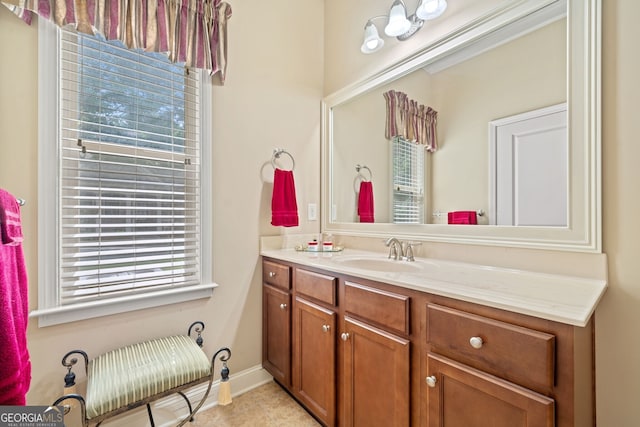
83,408
188,403
150,415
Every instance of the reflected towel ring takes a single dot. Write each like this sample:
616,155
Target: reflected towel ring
359,167
276,155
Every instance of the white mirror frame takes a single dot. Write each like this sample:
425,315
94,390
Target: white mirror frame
583,233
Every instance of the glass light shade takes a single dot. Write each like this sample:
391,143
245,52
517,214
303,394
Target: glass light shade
431,9
372,41
398,23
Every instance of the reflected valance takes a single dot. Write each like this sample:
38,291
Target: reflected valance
410,120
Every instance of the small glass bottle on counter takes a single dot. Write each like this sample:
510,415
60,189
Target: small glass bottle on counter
313,246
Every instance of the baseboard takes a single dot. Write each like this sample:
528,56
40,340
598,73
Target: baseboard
170,410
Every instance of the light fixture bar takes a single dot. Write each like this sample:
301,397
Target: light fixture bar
399,25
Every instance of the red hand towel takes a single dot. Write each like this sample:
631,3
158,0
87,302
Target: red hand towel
365,201
284,209
15,365
462,217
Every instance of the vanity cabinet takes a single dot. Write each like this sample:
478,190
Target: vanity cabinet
366,353
376,357
376,377
314,343
462,396
494,376
276,321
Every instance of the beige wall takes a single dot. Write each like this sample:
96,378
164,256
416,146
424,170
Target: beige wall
283,65
359,138
523,75
344,29
617,318
271,99
617,351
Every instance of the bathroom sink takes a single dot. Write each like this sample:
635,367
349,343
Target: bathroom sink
381,264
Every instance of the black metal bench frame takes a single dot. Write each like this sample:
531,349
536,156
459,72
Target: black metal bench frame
198,327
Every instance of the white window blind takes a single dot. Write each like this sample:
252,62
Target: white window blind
408,181
129,172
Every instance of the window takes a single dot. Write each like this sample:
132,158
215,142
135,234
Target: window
128,184
408,181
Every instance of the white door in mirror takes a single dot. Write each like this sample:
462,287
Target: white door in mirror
530,168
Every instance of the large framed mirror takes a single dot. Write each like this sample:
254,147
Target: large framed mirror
522,62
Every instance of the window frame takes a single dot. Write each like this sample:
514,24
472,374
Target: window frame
423,204
49,312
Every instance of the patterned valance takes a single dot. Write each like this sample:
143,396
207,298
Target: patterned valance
410,120
193,32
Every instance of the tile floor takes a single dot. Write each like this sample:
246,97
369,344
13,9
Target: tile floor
265,406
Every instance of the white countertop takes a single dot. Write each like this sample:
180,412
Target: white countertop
565,299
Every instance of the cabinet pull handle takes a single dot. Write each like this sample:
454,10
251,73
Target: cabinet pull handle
431,381
476,342
272,274
326,328
344,336
283,306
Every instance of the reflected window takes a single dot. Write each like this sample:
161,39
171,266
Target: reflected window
408,181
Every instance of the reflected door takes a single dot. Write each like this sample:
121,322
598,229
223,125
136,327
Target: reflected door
529,168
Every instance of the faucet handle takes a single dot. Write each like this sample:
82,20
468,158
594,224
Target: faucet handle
393,252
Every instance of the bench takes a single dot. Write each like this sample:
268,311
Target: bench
136,375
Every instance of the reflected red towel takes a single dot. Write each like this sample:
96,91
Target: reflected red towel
15,365
284,209
365,201
463,217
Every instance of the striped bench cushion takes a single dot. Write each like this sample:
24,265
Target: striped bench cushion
133,373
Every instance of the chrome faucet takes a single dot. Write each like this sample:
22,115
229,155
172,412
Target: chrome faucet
396,250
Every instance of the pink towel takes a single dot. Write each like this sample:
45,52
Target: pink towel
15,365
284,209
463,217
365,201
10,226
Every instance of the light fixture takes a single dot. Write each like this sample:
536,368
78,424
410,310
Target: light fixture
372,41
399,25
430,9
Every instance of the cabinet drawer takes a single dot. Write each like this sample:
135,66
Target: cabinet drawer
277,275
386,309
519,354
316,286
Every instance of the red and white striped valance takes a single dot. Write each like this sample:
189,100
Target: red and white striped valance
410,120
189,31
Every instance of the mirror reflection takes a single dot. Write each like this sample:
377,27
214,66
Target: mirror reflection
393,180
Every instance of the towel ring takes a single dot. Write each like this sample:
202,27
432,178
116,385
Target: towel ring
359,167
276,155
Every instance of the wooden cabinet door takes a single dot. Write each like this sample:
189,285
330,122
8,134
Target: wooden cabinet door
314,352
459,395
276,334
376,383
